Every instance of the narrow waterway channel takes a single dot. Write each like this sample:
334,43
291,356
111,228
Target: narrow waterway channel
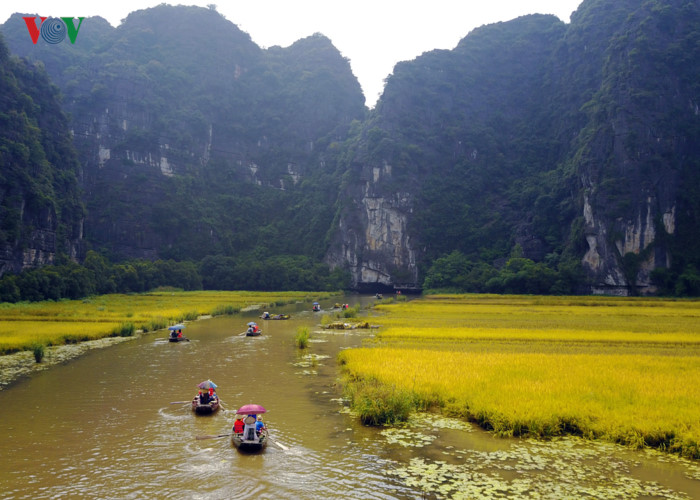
102,426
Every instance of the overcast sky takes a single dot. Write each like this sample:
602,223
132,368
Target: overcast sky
373,34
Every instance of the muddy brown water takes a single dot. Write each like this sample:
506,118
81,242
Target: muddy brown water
102,426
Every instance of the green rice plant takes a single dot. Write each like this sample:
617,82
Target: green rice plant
124,330
352,312
225,310
38,350
190,316
155,323
301,339
379,404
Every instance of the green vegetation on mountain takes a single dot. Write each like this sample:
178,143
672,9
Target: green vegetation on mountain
535,157
554,143
40,206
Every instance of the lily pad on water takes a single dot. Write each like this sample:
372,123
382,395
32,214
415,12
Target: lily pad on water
407,437
560,468
431,420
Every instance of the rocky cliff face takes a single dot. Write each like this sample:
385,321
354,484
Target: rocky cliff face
603,116
170,127
372,238
639,138
560,143
40,212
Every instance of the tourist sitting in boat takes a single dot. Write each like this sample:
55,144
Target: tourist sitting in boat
259,425
265,315
204,397
238,425
254,327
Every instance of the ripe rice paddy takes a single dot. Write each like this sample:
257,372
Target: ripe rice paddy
625,370
25,325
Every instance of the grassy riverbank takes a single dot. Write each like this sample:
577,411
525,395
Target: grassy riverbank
24,326
625,370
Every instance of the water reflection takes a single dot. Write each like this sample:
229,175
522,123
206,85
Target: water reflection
103,427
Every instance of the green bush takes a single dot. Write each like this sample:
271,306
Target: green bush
378,404
39,351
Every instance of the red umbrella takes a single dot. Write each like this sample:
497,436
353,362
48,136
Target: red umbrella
250,409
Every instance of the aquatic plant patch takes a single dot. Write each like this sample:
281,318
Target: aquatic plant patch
560,468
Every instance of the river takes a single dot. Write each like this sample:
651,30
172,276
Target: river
102,426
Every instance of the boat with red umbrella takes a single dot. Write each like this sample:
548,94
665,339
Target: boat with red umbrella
207,401
253,436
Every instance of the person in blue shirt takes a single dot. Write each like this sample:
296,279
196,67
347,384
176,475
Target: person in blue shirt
259,425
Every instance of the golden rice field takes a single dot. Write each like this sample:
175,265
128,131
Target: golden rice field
625,370
24,325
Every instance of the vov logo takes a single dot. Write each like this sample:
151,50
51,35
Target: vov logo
53,29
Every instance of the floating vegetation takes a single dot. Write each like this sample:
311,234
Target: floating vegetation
307,372
407,437
309,360
561,468
432,420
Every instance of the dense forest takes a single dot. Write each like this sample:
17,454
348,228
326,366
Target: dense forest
535,157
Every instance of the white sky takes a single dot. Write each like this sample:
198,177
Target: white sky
373,34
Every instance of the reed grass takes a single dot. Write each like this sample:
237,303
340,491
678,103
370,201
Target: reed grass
301,339
623,370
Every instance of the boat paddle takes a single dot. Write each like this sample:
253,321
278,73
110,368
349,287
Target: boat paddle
213,436
285,448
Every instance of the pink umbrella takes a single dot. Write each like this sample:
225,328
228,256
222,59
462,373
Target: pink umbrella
250,409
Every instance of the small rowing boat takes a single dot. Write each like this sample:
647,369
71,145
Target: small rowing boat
249,433
207,401
267,315
206,405
250,439
176,333
253,329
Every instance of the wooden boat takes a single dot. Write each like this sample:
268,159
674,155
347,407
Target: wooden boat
267,315
249,440
205,408
176,333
